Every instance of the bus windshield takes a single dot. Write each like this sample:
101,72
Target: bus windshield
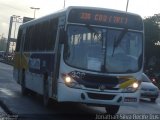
103,50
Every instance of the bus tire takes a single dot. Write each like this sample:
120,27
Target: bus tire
24,90
45,91
112,109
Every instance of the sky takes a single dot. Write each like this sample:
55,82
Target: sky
21,8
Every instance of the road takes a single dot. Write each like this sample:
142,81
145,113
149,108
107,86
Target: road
31,108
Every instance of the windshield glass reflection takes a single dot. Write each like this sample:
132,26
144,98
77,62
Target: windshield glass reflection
94,49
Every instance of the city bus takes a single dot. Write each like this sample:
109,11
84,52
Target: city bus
87,55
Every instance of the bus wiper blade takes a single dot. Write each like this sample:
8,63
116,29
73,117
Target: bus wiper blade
92,30
118,41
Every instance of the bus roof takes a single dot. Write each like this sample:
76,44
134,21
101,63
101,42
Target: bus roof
68,9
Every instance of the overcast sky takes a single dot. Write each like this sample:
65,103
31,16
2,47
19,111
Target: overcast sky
21,8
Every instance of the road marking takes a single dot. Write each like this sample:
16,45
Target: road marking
6,91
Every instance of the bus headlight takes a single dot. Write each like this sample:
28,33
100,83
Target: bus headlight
68,79
70,82
135,85
132,88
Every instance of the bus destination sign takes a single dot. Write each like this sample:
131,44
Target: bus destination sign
105,18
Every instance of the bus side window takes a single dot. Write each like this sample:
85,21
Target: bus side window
27,39
41,37
52,33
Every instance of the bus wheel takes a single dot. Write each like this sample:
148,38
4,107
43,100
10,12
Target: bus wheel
112,109
45,91
24,90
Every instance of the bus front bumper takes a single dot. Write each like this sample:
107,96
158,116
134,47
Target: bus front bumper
100,98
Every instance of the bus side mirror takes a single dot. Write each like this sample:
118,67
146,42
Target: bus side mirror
62,36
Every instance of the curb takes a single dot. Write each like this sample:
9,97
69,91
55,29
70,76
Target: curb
5,108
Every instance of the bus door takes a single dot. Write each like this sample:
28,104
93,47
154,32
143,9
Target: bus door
58,46
20,54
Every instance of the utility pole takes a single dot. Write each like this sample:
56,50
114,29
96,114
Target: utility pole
64,5
9,35
34,10
127,5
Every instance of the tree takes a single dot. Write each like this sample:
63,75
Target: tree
152,35
3,44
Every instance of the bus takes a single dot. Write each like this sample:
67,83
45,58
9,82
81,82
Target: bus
85,55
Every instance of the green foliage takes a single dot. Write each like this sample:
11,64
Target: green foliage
152,35
151,29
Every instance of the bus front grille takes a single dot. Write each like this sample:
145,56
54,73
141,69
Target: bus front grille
96,81
100,96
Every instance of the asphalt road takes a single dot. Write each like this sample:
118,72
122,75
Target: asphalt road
31,108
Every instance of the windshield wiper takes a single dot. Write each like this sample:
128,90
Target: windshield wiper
100,36
118,41
92,30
